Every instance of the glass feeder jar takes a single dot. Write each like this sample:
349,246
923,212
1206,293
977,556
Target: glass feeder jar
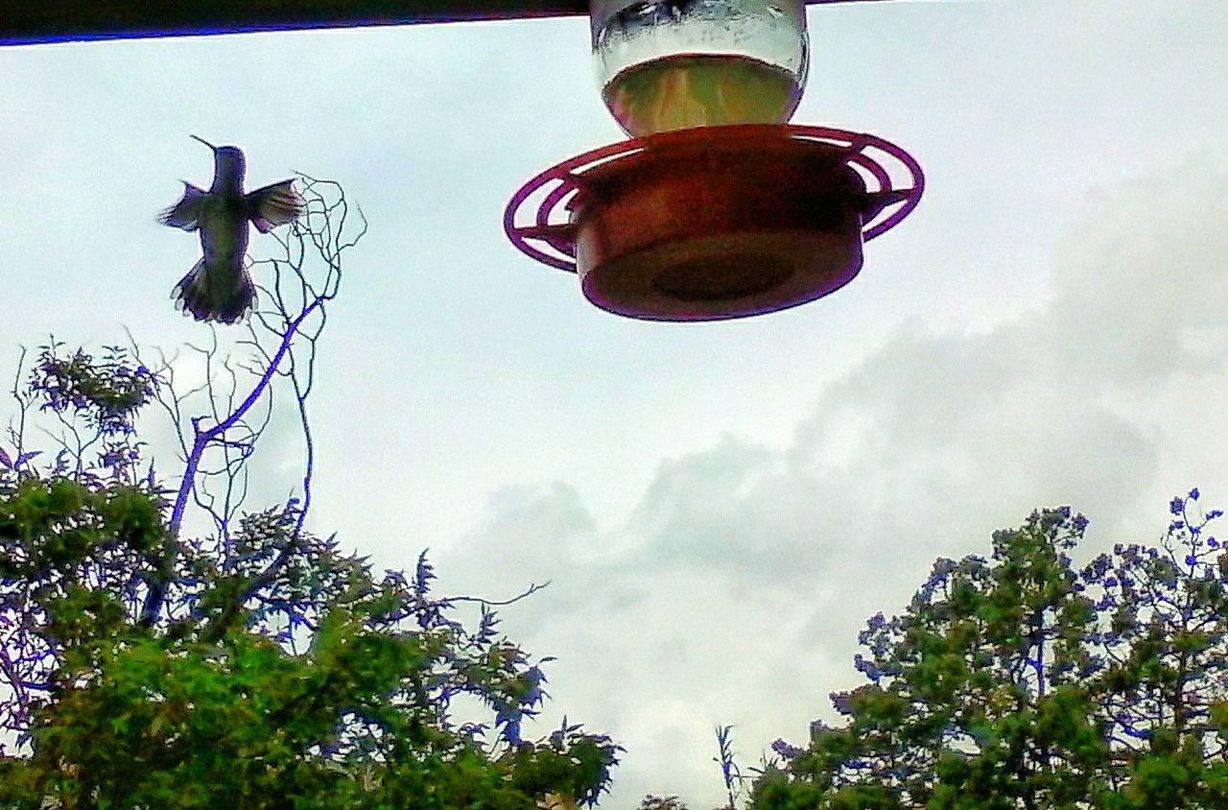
675,64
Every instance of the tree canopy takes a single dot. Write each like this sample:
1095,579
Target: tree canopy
165,644
1021,681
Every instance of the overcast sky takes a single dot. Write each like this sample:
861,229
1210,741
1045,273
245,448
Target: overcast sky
719,506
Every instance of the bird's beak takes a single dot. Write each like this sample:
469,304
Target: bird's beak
206,143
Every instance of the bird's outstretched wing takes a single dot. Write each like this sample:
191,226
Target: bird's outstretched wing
274,205
185,213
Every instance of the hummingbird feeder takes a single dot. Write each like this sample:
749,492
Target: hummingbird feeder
717,208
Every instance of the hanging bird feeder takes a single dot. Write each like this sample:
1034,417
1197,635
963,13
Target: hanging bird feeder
717,208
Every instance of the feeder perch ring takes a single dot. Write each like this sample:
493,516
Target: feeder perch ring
710,223
548,238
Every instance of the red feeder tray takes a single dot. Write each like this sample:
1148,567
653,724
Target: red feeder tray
715,222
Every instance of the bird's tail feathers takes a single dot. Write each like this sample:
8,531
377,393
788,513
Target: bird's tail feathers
222,295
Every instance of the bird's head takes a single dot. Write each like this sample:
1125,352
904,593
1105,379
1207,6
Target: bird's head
227,160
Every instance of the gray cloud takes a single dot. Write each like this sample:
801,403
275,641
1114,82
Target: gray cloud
733,590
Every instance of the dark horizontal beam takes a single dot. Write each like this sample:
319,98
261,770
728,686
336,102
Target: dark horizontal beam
24,22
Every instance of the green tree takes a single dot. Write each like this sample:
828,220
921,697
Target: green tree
1020,681
164,645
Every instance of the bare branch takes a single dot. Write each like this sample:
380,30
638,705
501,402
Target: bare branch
532,589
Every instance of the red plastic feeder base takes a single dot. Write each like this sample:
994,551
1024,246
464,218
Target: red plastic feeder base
715,222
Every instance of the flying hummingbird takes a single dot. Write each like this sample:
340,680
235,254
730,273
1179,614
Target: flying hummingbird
218,287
